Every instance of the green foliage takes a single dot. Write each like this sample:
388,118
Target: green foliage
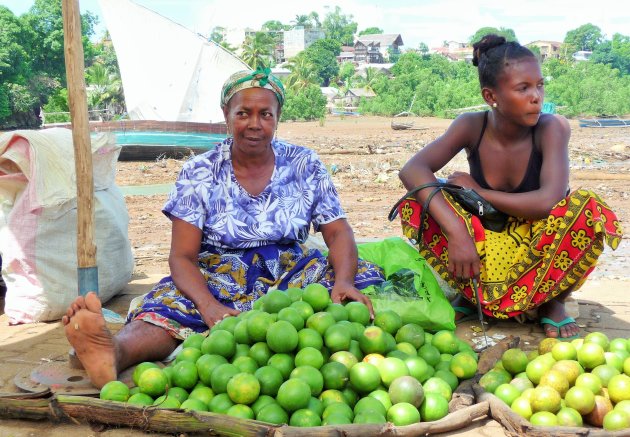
371,31
586,37
507,33
57,103
306,104
340,27
302,73
615,53
322,55
274,26
257,50
587,88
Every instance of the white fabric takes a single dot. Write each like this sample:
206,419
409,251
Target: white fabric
168,72
38,223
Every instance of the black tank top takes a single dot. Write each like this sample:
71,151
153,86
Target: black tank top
530,182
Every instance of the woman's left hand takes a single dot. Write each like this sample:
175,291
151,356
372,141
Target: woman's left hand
463,179
342,292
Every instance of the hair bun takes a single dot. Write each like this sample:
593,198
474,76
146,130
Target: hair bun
486,43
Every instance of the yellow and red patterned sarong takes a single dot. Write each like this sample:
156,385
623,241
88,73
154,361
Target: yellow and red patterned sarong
529,262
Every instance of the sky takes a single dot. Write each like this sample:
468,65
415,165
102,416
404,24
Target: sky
427,21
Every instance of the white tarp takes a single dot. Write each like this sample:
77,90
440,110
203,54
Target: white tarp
168,72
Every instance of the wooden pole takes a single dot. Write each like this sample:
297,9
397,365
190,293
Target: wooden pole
77,100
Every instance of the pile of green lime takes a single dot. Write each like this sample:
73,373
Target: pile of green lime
567,383
299,359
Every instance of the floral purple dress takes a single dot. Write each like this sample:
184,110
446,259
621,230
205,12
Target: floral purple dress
250,243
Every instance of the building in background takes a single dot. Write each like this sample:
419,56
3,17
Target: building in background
548,49
455,51
377,49
298,39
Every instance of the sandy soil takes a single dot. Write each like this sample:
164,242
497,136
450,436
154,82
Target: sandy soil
365,154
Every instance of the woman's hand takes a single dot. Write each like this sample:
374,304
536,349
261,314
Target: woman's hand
213,312
342,292
463,179
463,259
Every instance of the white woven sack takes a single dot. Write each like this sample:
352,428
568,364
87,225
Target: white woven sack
38,223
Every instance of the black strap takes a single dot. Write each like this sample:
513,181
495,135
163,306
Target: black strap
437,185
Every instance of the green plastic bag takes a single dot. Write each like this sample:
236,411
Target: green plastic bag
410,288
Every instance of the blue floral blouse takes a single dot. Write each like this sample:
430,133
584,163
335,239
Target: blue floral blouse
300,193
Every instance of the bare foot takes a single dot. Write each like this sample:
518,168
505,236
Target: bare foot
555,310
93,343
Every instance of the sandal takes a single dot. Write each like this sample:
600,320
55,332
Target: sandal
558,325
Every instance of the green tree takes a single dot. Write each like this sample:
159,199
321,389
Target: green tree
340,27
322,54
274,26
302,21
371,31
305,104
258,50
615,53
507,33
423,48
302,73
586,37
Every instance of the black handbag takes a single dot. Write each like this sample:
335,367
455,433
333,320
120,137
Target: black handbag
491,218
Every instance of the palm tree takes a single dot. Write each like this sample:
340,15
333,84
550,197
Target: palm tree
302,21
105,90
302,73
258,50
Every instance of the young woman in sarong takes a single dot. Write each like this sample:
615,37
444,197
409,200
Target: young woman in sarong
519,162
240,214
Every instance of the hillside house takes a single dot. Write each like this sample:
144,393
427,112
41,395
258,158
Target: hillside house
353,96
375,49
455,51
548,49
298,39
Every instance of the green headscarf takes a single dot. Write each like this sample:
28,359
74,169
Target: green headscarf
260,78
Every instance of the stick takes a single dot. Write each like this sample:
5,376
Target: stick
77,100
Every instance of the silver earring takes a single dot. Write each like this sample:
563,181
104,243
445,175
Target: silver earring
494,105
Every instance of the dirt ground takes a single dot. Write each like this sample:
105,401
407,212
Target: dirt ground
364,155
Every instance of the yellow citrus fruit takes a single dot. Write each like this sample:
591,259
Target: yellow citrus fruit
591,355
358,312
545,398
320,322
619,388
337,338
309,356
605,372
260,352
599,338
365,377
206,365
221,375
115,391
304,309
309,337
257,326
153,382
317,296
570,368
338,311
556,380
243,388
434,407
590,381
463,365
305,418
141,368
388,320
219,342
185,375
294,394
581,399
273,413
616,420
514,360
391,368
411,333
292,316
311,376
194,404
446,342
276,300
220,403
140,399
546,345
522,407
285,363
563,351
